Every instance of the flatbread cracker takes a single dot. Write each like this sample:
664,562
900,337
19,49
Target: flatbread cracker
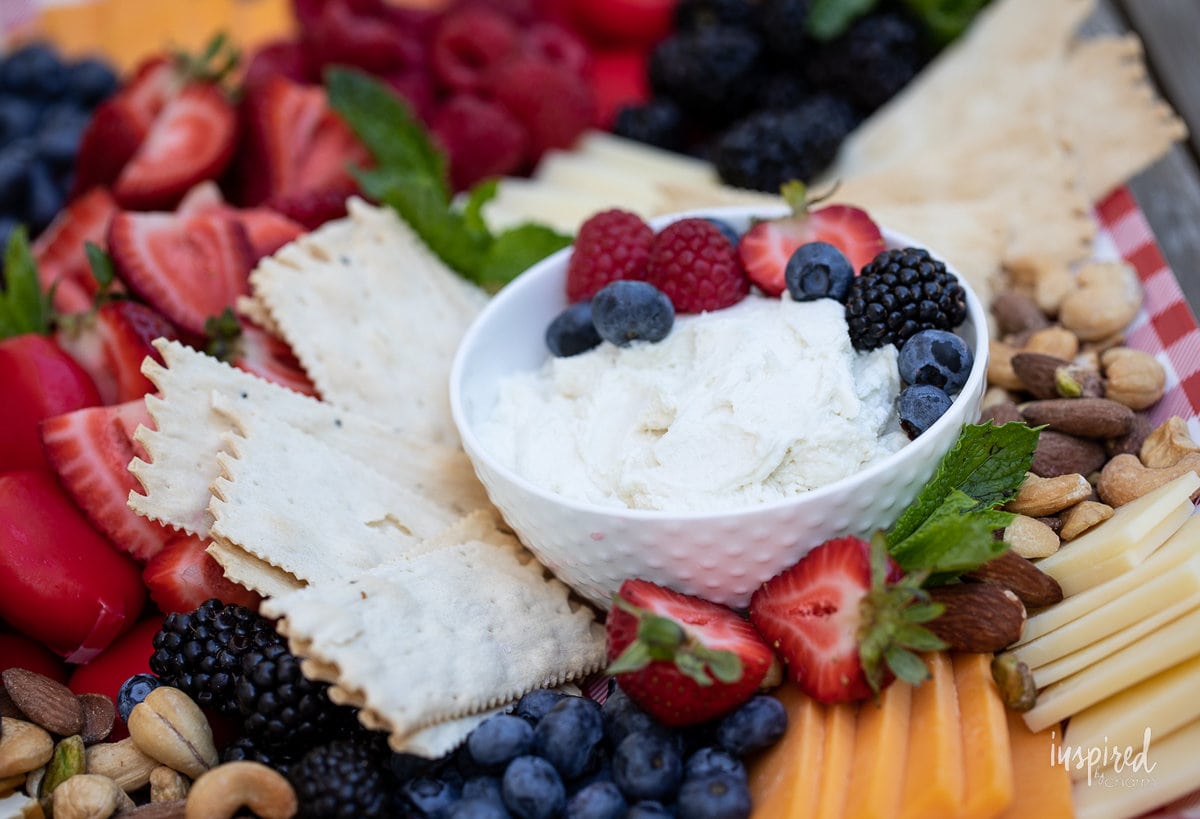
425,640
252,572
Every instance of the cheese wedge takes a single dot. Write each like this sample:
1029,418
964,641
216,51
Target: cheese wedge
524,200
837,758
784,781
1168,646
1182,545
933,778
1119,613
621,188
1162,704
988,785
1043,789
1097,651
880,755
1175,773
646,161
1133,526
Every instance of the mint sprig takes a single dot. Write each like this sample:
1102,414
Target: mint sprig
24,308
410,176
944,20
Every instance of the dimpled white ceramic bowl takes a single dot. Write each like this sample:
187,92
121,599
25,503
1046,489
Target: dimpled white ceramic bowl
722,556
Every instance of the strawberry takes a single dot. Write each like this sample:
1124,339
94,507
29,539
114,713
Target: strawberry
183,575
154,83
112,136
59,252
111,342
90,451
188,267
129,654
266,229
288,58
682,659
845,619
192,139
256,351
765,249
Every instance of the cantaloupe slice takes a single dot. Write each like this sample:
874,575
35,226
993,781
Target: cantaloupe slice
837,758
1043,789
880,754
987,754
784,781
933,779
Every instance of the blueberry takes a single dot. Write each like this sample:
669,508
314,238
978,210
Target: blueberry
133,691
758,723
716,796
90,80
15,159
498,740
35,72
18,118
818,270
476,807
712,760
936,357
623,716
919,406
726,230
625,311
568,734
46,198
485,786
533,789
647,765
649,809
600,800
572,332
534,705
430,795
59,134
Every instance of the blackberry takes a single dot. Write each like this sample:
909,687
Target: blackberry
246,748
772,147
656,122
873,60
696,14
200,652
707,71
345,778
785,31
899,293
281,707
782,91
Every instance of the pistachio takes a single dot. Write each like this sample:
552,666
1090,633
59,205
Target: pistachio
68,761
1014,681
1132,377
170,727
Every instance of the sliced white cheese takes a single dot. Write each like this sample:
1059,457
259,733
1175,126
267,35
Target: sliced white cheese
1097,651
1119,613
1163,704
1175,773
525,200
622,188
1168,646
1182,545
647,161
1130,527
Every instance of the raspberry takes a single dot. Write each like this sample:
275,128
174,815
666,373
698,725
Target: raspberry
556,45
696,266
481,138
554,105
613,244
468,43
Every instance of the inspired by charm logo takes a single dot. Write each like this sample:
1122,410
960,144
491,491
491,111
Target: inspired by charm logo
1129,768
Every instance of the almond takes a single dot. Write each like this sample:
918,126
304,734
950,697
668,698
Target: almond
175,809
1010,571
1088,417
1001,413
1016,313
44,701
978,617
1060,454
99,714
1037,372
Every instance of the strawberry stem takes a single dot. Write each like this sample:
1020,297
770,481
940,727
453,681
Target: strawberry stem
660,638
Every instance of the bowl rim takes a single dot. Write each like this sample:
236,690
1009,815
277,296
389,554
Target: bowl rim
916,448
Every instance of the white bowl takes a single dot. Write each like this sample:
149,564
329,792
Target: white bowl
722,556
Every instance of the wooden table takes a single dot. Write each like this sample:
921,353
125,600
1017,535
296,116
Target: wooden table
1169,191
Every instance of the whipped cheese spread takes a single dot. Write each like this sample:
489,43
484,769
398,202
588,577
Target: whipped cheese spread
757,402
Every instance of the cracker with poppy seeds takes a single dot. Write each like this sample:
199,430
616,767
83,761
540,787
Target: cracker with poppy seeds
435,637
373,316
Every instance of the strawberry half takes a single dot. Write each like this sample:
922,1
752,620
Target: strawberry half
183,575
112,136
59,252
765,248
192,139
189,267
90,450
845,619
112,342
249,348
684,660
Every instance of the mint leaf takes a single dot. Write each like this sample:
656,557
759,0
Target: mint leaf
101,265
24,308
987,463
828,19
955,538
945,19
515,250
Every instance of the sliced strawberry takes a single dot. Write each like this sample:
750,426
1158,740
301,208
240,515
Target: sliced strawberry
90,451
192,139
111,344
189,267
765,249
311,209
682,659
111,138
842,619
59,250
153,84
249,348
267,230
287,58
183,575
203,197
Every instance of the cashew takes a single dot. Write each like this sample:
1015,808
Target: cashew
1133,377
1083,516
167,785
23,747
220,792
169,727
1047,282
995,395
8,784
1106,298
1167,444
1000,371
1030,538
1053,340
89,796
1125,478
1049,496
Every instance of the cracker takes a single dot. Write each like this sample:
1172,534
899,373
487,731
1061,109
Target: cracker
423,640
374,318
255,574
255,311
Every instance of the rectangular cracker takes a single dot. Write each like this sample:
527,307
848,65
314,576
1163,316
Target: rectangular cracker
374,318
444,634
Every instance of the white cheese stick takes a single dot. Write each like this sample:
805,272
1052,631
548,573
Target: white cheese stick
1131,793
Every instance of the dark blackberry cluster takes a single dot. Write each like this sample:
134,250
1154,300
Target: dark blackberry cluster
899,293
708,71
657,122
872,61
248,749
346,778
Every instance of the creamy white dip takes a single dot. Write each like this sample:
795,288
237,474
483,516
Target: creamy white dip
754,403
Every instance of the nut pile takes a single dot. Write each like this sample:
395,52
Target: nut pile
53,750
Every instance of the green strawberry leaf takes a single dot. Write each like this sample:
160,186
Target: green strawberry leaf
828,19
635,657
101,265
906,665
